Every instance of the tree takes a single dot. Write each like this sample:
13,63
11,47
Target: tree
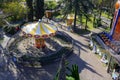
30,10
7,1
78,7
50,5
104,5
15,9
39,9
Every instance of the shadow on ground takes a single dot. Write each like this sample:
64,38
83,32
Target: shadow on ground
75,59
76,43
81,31
47,72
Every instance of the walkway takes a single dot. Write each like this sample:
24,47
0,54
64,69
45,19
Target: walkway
90,66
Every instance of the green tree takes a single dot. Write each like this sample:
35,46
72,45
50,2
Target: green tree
78,7
39,9
7,1
30,10
15,9
50,5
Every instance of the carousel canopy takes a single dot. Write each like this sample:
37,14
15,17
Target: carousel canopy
39,29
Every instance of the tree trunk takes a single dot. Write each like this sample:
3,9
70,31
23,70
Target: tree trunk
100,9
75,16
111,23
81,19
112,11
94,19
100,13
86,23
39,9
30,11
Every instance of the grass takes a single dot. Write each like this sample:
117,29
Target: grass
89,23
107,29
106,15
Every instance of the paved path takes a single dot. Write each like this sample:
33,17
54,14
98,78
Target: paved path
106,20
90,66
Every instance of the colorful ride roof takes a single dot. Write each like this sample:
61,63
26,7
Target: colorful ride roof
39,29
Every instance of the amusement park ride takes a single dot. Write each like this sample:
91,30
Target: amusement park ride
112,39
40,30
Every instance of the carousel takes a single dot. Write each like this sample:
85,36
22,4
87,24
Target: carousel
39,31
37,41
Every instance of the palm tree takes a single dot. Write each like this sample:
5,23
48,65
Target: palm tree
78,7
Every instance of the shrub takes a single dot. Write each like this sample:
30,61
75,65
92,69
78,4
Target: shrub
74,72
50,4
97,23
15,9
1,21
9,30
69,78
